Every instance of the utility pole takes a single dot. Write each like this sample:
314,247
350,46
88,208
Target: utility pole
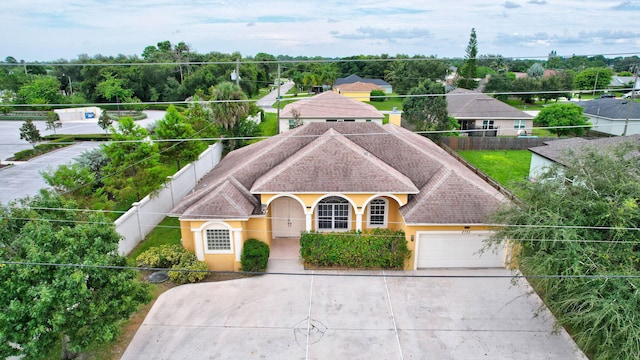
633,95
238,72
278,100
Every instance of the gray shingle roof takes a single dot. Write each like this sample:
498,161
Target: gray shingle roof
349,158
355,78
558,150
467,104
611,108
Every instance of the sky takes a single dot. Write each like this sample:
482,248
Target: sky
48,30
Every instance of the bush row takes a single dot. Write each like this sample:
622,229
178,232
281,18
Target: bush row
376,248
174,257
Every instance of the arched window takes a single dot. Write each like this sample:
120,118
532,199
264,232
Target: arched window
378,211
334,213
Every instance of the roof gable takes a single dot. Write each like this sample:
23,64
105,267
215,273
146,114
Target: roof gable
467,104
227,201
333,163
329,105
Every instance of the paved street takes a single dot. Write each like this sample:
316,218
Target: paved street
267,101
317,315
23,178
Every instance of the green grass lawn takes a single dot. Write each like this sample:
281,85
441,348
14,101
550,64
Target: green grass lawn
388,104
166,233
269,126
504,166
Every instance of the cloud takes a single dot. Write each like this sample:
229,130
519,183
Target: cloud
511,5
537,2
601,37
384,34
627,6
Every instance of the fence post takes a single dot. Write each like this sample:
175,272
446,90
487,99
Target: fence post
137,210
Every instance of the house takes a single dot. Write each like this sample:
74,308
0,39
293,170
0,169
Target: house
338,177
388,89
327,107
624,82
556,151
358,90
613,116
478,111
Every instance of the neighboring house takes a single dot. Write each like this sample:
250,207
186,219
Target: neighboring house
337,177
612,116
556,151
358,90
477,111
623,82
388,89
327,107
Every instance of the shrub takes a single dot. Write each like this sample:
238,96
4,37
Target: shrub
255,255
174,257
378,93
376,248
187,277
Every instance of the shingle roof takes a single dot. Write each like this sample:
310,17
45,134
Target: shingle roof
349,158
355,78
558,150
611,108
467,104
357,86
329,105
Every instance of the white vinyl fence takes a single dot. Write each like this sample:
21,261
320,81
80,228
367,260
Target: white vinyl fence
146,214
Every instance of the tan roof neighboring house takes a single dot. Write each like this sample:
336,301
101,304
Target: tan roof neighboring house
329,105
357,86
468,104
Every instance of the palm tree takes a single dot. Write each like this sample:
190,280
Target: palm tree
229,104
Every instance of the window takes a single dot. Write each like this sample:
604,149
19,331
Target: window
519,124
218,240
332,120
487,124
292,124
377,213
333,214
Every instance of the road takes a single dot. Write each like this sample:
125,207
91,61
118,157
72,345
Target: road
24,178
267,101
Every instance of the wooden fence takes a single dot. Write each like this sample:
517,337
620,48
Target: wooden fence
457,143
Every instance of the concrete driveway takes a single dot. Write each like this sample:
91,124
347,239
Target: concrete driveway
335,315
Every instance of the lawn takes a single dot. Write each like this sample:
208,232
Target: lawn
505,166
388,104
166,233
269,126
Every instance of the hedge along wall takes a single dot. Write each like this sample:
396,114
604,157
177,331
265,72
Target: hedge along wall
376,248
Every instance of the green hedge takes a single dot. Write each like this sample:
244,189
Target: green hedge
255,255
174,257
376,248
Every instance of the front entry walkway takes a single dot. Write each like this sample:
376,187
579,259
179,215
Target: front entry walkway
284,256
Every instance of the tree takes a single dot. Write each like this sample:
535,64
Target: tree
76,305
580,220
53,121
229,104
112,87
174,127
409,73
41,90
240,134
426,109
501,84
593,79
104,121
536,70
30,133
563,119
134,167
468,70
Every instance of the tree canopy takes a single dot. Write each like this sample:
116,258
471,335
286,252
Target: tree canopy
77,305
581,220
429,111
563,119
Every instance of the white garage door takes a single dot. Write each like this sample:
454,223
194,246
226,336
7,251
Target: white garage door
456,249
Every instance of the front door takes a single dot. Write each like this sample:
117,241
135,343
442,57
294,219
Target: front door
287,218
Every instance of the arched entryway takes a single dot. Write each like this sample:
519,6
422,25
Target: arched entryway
287,218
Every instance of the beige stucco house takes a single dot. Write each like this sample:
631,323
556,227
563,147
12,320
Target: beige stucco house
481,115
327,107
338,177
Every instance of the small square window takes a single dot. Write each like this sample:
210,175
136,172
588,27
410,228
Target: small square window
218,240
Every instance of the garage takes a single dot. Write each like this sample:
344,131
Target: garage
455,249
